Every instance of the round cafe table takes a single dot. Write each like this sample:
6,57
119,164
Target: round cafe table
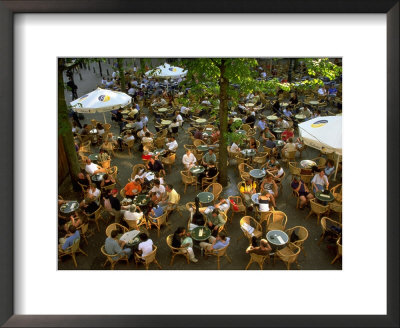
249,105
159,152
131,238
313,102
284,104
166,122
248,152
272,118
98,176
196,232
236,119
198,169
201,120
69,207
300,117
278,132
129,125
277,239
125,111
324,198
242,132
279,143
94,157
205,197
141,200
257,174
162,110
202,147
93,131
307,164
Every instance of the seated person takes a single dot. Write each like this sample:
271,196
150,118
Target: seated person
189,160
69,238
158,188
320,181
181,239
248,189
215,243
215,136
84,180
266,133
271,187
329,168
269,143
288,133
173,127
235,148
290,146
103,156
271,164
263,249
156,212
142,132
89,206
155,165
147,139
252,143
209,173
92,168
287,112
172,145
170,199
262,124
223,204
128,136
133,213
278,175
208,157
282,124
75,220
133,188
250,120
264,200
108,180
215,221
304,194
92,192
114,246
179,118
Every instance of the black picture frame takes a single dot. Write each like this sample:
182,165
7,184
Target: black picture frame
7,11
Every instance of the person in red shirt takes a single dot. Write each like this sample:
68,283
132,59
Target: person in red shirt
133,188
288,133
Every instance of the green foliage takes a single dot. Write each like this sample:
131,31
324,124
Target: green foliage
322,67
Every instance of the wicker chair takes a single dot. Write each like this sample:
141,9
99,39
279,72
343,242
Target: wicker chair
159,142
241,207
307,179
290,156
294,169
215,189
176,251
115,226
72,250
321,161
198,142
113,171
219,253
337,192
288,255
85,147
244,170
302,233
259,259
107,188
159,222
276,221
189,147
339,250
136,169
260,160
240,159
148,259
188,180
253,223
84,231
132,224
168,161
337,208
209,181
318,209
325,221
112,261
97,217
128,145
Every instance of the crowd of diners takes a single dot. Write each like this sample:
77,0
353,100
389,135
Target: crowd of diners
142,127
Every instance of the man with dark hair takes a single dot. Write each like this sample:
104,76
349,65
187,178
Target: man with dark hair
115,205
155,165
215,243
113,246
145,247
181,239
69,238
215,221
171,198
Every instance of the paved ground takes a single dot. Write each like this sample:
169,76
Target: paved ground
317,257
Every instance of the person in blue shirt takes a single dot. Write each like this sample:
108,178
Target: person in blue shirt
156,212
70,237
332,90
113,246
262,124
330,167
215,243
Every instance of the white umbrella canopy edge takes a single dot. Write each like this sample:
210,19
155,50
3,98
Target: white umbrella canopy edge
166,71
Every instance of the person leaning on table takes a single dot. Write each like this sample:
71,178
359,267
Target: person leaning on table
215,243
320,181
113,246
215,221
263,249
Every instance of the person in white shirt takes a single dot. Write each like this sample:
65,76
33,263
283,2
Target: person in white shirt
163,102
144,119
109,83
93,192
282,123
287,112
322,91
174,124
147,138
143,132
146,245
223,204
92,168
103,82
235,148
133,214
179,118
189,160
279,173
114,75
263,75
131,91
135,83
172,145
185,110
158,188
320,181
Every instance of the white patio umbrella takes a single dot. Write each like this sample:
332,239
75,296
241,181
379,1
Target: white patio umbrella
166,71
323,132
100,100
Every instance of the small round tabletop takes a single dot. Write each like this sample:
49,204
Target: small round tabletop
141,200
257,173
279,143
131,237
207,133
284,104
236,119
201,120
307,164
205,197
314,102
242,132
272,117
162,110
200,233
300,116
125,111
159,152
98,176
324,197
94,157
254,198
129,125
69,207
248,152
278,130
166,122
198,169
249,105
277,238
202,147
93,131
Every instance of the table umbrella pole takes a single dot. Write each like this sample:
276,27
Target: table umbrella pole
336,168
104,115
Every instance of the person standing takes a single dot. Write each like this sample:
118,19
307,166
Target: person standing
73,87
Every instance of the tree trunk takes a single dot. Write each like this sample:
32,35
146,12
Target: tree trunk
64,125
223,125
121,74
100,68
291,69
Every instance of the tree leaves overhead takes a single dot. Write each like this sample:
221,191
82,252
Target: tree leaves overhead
322,67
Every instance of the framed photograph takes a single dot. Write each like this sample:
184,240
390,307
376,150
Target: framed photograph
41,290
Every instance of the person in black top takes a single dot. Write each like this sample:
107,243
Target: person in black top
293,100
89,206
115,205
83,180
155,165
198,218
211,171
117,117
176,238
276,106
180,240
251,119
73,87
